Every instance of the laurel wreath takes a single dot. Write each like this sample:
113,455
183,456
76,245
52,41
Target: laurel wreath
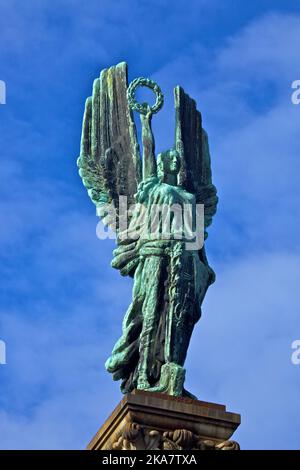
142,107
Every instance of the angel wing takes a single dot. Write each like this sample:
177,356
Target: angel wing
109,162
191,141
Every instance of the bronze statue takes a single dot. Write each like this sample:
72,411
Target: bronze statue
170,277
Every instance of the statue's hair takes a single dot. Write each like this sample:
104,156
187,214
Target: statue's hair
160,162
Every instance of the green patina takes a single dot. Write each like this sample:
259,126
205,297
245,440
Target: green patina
170,281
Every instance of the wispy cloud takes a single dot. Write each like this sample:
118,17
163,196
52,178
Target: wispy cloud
244,340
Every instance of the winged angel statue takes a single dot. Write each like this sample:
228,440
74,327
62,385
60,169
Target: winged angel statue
170,279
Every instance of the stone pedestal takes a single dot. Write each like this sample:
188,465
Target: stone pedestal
147,421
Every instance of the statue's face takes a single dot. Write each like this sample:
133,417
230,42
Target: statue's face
172,163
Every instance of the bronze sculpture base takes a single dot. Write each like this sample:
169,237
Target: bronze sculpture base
154,421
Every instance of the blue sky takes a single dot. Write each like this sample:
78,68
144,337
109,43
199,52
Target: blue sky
61,303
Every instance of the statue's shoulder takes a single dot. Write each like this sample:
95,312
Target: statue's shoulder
145,187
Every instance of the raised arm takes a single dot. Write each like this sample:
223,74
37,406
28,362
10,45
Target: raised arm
149,161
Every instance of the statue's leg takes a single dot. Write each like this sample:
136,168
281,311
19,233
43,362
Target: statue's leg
181,329
179,323
192,284
185,302
179,290
171,373
151,291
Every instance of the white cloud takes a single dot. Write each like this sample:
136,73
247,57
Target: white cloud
266,49
240,353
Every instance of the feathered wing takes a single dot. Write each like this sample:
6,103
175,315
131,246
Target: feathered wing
191,141
109,162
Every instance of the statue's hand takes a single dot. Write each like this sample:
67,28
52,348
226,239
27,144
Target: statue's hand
147,115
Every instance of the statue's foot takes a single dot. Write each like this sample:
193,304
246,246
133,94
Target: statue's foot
171,380
143,386
143,383
158,389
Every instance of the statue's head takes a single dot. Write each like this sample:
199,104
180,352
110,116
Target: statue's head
168,163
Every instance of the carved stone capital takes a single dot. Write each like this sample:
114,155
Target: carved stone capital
136,437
